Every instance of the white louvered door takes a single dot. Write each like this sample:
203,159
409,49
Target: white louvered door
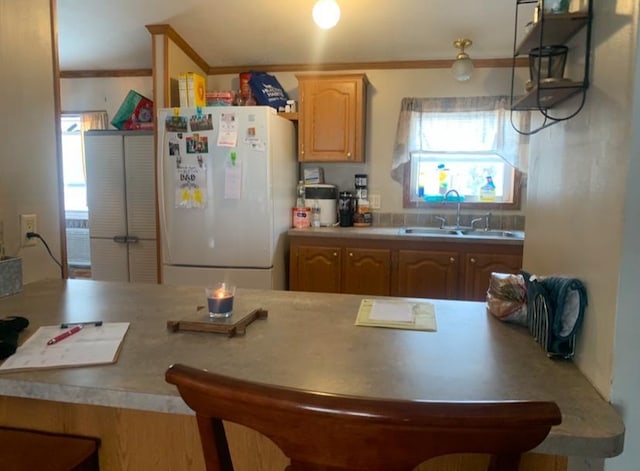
121,200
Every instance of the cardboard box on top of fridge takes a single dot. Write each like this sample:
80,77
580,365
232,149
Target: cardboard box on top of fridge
221,98
192,88
136,112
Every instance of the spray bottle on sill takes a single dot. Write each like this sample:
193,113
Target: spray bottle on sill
488,190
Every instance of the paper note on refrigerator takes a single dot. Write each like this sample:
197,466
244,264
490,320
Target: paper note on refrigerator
191,186
233,180
228,130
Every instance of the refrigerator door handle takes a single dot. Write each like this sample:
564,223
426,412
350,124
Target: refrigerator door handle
132,239
164,233
120,239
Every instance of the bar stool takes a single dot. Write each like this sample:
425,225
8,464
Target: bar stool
319,431
30,450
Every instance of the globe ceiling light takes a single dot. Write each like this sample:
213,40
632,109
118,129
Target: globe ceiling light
326,13
463,66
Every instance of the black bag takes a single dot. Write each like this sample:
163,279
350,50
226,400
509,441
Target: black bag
10,327
267,90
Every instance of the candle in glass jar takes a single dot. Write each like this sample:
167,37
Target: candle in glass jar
220,300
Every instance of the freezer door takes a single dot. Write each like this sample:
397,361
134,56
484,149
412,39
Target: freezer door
229,231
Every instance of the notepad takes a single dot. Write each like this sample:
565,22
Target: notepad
397,314
93,345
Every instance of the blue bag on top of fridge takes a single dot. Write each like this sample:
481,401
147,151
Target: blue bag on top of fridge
267,90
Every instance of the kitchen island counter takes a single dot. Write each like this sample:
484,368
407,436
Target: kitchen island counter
309,341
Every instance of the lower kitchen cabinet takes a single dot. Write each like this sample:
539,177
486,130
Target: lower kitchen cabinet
478,269
367,271
427,274
399,267
316,268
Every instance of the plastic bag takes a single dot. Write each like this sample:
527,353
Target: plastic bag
507,298
267,90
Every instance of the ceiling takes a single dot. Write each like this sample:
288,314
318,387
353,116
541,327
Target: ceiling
111,35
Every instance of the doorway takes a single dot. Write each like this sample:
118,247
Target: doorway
75,197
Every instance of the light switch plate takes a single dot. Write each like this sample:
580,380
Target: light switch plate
374,201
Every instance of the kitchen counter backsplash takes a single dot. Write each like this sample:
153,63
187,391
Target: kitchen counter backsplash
498,222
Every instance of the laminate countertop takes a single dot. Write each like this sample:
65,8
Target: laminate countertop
309,341
414,234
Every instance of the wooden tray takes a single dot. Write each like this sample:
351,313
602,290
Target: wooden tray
229,326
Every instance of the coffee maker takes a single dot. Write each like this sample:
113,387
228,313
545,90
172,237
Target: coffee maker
346,207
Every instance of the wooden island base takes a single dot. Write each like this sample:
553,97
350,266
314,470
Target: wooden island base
137,440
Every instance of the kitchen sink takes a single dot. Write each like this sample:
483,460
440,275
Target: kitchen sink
505,234
463,232
428,231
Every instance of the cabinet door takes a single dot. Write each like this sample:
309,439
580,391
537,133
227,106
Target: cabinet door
104,157
331,124
109,260
426,274
140,186
478,269
367,271
143,265
316,269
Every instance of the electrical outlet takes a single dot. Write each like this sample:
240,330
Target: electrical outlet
28,223
374,201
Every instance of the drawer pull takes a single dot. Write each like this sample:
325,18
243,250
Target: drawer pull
452,259
472,260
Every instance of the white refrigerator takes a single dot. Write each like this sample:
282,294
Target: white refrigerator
226,186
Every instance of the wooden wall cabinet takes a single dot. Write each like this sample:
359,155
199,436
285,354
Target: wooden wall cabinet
392,267
331,120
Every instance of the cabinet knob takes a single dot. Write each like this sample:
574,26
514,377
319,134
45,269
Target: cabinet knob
452,259
349,154
335,254
350,254
472,260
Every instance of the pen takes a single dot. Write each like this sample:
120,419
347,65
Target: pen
65,334
69,324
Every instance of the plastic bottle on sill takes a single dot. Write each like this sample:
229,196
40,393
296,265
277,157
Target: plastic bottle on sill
443,179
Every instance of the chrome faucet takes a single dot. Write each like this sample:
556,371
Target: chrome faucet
486,218
446,195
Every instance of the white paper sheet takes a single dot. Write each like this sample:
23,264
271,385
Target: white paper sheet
391,311
91,346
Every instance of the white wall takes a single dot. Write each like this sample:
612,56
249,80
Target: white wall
626,380
582,215
28,162
101,94
385,92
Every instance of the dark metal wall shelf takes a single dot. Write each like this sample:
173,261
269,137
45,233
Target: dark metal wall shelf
558,29
547,95
551,30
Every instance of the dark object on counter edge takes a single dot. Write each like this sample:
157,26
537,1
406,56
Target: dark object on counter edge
10,327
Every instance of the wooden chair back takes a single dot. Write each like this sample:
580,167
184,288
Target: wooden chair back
329,432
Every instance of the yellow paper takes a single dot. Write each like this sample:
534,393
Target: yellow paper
397,314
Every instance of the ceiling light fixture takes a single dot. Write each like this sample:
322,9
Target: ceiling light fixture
326,13
463,66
